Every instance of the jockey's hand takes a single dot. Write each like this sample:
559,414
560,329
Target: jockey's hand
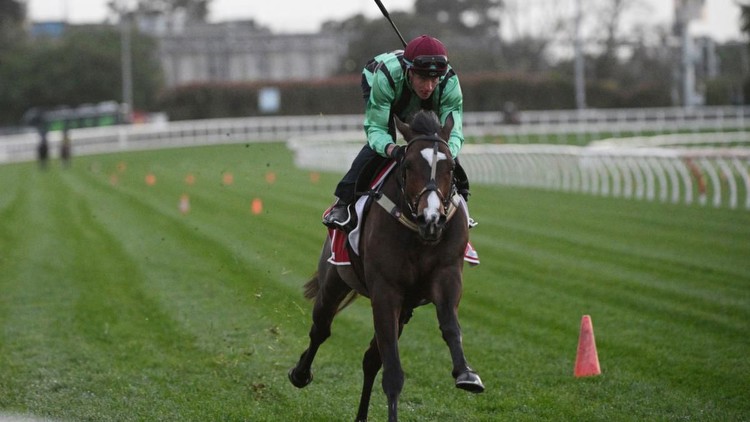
396,151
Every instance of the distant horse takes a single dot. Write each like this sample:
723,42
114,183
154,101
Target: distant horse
411,253
42,150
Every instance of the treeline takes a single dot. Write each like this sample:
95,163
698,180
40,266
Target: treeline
81,67
342,95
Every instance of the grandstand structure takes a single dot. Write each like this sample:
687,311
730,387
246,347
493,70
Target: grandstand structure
239,51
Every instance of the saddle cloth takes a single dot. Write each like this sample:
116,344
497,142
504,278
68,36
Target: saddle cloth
339,238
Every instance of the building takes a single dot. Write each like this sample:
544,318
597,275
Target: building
240,51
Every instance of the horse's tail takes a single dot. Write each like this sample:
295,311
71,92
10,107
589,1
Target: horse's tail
350,297
312,287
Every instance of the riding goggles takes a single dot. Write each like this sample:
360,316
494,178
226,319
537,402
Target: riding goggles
430,66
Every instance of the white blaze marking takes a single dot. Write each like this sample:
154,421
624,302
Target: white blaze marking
432,211
427,154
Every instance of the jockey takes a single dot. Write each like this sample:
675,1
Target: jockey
401,83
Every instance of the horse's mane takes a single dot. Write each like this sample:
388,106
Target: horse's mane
425,122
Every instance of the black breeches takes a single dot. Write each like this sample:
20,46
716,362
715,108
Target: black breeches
345,190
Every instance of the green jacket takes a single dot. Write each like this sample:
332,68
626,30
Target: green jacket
384,97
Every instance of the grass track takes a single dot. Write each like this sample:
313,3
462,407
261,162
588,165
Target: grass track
115,306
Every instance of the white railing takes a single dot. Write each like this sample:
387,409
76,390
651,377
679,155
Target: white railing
719,177
545,126
22,147
553,127
660,167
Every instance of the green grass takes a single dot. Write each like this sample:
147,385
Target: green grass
114,306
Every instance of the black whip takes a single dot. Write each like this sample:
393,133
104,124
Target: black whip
388,16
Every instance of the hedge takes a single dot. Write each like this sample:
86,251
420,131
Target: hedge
342,95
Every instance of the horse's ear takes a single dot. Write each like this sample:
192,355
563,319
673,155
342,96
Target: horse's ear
403,128
445,131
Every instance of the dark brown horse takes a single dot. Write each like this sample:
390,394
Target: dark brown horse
411,253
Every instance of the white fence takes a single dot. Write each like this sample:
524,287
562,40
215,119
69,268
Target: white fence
550,126
641,167
543,126
177,134
718,177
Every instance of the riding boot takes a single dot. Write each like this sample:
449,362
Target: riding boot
339,216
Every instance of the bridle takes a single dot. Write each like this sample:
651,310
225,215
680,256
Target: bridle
431,186
450,201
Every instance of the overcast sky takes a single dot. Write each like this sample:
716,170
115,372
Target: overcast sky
720,17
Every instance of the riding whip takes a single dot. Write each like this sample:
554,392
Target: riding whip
388,16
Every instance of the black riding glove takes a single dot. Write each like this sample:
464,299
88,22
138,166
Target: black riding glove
397,153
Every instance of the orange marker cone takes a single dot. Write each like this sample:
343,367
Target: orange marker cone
257,206
587,361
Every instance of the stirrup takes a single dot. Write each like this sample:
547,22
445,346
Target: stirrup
472,223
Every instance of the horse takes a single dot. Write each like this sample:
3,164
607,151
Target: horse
411,253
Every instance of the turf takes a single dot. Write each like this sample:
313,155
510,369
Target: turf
115,305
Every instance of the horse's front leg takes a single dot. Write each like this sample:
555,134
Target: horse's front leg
446,304
371,364
386,314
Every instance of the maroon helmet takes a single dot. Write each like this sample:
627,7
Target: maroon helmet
426,56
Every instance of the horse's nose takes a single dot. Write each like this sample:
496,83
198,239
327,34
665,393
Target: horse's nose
431,213
432,230
430,217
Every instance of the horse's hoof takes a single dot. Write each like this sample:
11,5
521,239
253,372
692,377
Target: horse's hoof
298,382
470,381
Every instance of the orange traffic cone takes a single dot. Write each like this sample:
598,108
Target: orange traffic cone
256,207
587,361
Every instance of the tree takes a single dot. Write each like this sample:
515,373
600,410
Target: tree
12,16
529,32
745,27
81,67
464,17
367,38
609,16
744,16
